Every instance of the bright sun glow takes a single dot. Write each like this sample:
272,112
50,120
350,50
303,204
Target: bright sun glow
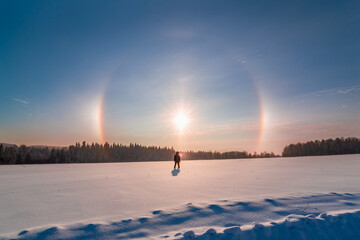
181,120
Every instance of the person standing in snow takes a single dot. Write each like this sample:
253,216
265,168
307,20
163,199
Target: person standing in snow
177,160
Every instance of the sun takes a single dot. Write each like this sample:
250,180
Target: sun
181,120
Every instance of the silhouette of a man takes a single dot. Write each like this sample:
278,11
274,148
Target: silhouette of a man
177,160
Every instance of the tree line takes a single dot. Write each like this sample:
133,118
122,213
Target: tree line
97,153
191,155
350,145
100,153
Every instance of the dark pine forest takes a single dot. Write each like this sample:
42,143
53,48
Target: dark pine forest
99,153
330,146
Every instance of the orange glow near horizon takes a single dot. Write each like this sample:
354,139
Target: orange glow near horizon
100,120
262,116
261,125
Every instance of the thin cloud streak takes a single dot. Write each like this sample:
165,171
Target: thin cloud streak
335,91
20,100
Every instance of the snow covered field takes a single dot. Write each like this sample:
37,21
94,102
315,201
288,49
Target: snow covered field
284,198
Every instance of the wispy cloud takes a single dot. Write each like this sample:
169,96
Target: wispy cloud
20,100
335,91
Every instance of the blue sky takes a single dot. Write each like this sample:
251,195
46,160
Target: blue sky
248,75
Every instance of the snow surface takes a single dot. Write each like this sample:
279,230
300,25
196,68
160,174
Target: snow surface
298,198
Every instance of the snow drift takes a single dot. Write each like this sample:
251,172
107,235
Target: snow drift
285,218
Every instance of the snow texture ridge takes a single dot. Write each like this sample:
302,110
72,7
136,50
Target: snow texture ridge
283,218
325,226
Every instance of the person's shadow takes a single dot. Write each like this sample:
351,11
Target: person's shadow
175,172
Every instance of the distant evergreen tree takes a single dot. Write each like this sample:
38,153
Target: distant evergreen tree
22,151
10,154
1,154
